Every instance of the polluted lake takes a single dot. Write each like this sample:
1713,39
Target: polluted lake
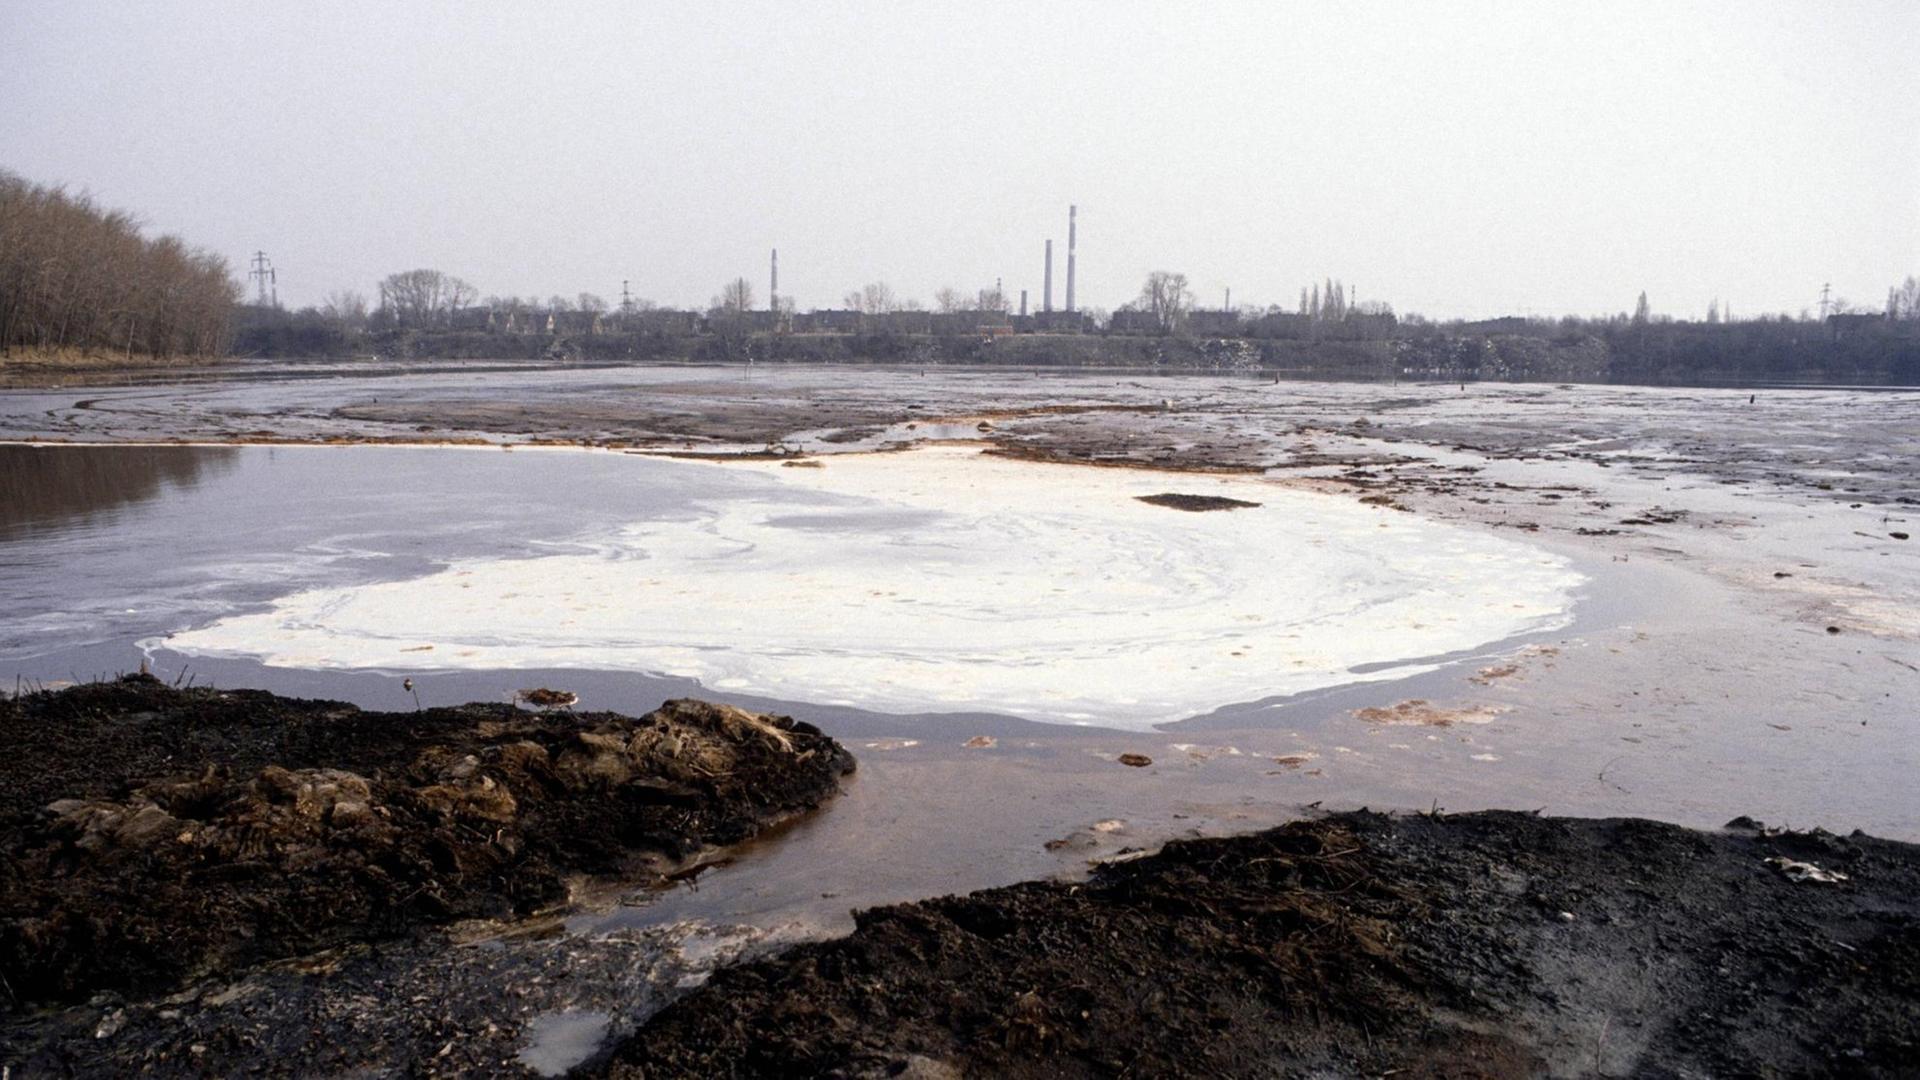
470,684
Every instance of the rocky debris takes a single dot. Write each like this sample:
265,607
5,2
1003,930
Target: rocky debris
541,697
1419,711
1137,761
1486,945
1797,871
168,859
1654,516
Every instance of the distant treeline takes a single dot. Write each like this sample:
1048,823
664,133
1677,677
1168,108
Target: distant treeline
1849,348
74,276
1864,348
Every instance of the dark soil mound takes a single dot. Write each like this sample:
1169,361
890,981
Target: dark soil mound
1196,503
149,834
1482,945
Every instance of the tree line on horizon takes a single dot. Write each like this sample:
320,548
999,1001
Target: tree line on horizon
75,276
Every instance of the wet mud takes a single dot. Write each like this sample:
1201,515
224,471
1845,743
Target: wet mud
1477,945
151,835
1196,503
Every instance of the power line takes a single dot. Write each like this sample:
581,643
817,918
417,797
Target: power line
265,280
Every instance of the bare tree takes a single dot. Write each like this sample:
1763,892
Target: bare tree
1903,300
423,297
1166,298
736,297
590,302
874,299
347,310
1642,312
75,276
947,300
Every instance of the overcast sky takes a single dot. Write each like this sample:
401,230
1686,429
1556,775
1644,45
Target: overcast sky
1449,158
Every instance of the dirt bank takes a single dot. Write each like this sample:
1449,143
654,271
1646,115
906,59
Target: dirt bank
1485,945
149,835
71,367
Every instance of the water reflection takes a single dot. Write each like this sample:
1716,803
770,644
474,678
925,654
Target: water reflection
46,487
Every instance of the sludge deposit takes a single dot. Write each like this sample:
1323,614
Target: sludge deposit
957,580
155,835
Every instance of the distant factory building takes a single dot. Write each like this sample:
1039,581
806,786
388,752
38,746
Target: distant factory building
1213,323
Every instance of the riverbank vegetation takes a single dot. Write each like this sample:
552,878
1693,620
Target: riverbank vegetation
82,284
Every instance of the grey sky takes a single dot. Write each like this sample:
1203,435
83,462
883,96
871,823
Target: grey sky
1450,158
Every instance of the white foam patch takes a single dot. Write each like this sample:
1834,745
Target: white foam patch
948,580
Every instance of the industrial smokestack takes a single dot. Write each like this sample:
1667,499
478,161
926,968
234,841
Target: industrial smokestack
1073,214
1046,297
1023,303
773,283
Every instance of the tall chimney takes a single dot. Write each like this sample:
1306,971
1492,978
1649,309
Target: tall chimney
1046,297
1073,213
1023,303
773,283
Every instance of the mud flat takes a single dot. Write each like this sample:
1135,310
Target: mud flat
152,837
1747,643
1488,944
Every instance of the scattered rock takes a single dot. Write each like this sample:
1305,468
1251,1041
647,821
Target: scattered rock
1797,871
1422,712
1137,761
1198,752
1486,676
1655,516
981,742
543,698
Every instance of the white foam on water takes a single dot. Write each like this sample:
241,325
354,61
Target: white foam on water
945,580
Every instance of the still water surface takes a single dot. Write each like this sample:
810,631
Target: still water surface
933,581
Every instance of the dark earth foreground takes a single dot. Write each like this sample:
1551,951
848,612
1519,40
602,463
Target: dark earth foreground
152,835
1476,945
199,882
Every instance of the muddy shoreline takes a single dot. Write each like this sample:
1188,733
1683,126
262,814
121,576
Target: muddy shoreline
153,837
1487,945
